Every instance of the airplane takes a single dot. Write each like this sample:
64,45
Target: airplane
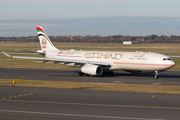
97,63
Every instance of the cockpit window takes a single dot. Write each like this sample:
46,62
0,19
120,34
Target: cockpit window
166,58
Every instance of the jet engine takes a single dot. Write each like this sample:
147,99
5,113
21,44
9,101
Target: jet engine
92,69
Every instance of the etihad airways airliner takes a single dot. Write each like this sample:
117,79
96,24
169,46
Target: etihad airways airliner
100,62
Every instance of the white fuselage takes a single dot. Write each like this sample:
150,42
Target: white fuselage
133,61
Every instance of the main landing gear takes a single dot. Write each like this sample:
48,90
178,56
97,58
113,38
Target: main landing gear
82,74
156,74
109,73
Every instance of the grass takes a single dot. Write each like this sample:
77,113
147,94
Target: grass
159,48
96,86
177,61
22,63
7,62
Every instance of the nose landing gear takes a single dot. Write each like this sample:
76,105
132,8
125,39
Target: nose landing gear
156,74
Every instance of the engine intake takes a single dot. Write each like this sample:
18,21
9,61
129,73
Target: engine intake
92,69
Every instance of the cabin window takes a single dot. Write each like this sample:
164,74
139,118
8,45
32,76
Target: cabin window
131,58
143,58
138,58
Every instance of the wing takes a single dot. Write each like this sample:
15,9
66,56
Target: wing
62,60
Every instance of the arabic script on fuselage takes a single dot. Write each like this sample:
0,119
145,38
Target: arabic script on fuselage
139,56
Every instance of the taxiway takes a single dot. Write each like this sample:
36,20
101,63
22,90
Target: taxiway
19,103
166,77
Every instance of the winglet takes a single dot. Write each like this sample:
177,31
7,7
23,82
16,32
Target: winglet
7,55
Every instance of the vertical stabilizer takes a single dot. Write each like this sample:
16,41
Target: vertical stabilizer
44,40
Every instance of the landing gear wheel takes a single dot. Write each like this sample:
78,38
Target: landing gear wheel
109,73
156,74
81,74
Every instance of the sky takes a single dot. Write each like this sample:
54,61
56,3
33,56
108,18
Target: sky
52,9
70,9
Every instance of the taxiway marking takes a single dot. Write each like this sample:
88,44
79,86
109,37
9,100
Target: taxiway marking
99,105
10,97
79,115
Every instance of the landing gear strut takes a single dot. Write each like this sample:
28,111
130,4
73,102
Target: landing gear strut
156,74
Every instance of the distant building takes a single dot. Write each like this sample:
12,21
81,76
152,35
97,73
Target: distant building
140,39
127,42
153,40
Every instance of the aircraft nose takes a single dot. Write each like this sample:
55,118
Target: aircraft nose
172,63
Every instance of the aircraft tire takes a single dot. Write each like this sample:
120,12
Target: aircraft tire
81,74
156,76
109,73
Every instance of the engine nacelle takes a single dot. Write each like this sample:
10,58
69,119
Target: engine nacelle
92,69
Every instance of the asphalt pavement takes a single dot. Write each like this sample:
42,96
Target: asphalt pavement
19,103
166,77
